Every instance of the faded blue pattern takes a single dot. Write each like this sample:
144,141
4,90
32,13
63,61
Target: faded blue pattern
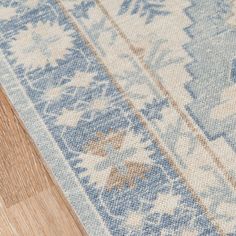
153,110
115,204
158,58
150,9
233,71
176,131
213,50
81,10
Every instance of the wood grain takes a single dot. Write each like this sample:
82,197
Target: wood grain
30,203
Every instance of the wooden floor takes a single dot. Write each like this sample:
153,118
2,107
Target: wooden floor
30,203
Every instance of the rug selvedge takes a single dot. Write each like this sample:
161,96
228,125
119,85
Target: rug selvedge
92,121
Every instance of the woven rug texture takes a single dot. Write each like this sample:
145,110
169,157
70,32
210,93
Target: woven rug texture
132,105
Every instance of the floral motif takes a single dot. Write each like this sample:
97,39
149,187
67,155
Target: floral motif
44,39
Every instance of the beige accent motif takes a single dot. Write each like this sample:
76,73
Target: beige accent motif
43,41
99,104
70,3
79,80
134,170
136,164
228,209
232,19
96,147
134,220
189,233
139,51
32,3
227,105
69,118
166,203
7,12
53,93
182,146
141,45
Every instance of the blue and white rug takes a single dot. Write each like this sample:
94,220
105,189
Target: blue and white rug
132,104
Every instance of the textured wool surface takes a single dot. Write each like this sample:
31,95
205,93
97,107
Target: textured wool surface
132,104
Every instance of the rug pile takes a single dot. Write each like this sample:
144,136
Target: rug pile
131,104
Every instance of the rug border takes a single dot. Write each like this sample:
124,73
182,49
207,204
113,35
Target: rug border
50,153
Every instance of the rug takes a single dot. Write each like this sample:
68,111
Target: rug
132,105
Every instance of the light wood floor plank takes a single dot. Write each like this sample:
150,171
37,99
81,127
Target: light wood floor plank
30,203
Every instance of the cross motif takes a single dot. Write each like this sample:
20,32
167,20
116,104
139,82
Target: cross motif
116,158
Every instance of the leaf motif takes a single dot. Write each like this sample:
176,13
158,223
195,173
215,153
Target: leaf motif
146,8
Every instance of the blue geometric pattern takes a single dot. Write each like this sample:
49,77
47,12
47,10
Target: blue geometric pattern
212,70
124,172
